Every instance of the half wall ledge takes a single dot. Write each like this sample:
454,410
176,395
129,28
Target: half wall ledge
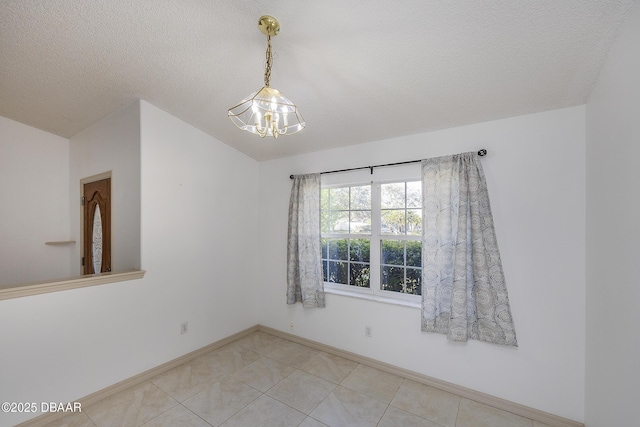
37,288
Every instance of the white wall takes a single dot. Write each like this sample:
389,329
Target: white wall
199,227
34,176
199,222
112,144
535,171
613,235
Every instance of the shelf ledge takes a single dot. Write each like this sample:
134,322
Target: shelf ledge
37,288
60,242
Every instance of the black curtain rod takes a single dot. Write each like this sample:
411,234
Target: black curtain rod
481,153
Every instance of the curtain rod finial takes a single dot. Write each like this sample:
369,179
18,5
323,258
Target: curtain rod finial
482,153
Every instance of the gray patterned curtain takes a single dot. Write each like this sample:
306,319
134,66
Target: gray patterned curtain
464,294
304,255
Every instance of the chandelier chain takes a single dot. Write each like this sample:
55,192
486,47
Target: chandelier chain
267,66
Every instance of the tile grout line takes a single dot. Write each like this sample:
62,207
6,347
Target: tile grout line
180,403
165,411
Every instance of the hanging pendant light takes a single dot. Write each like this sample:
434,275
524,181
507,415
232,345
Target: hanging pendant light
267,112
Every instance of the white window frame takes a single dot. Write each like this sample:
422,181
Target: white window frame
373,292
350,236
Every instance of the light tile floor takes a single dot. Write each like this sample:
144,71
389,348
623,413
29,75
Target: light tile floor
263,380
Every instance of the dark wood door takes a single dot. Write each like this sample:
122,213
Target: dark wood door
97,227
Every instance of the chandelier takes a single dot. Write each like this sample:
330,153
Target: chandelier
267,112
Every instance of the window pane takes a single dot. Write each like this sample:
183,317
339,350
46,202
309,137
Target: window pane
359,250
392,195
339,199
414,194
392,221
414,254
392,279
324,221
361,197
324,271
337,272
414,281
414,222
324,248
360,222
360,275
324,199
337,249
339,222
392,252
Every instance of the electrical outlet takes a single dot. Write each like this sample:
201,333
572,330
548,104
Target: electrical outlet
184,327
367,331
292,327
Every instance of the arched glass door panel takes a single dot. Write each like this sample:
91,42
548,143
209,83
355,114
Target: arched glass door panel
96,241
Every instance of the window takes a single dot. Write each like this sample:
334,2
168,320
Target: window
401,234
346,235
371,238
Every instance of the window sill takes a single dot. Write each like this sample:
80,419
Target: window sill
367,295
28,289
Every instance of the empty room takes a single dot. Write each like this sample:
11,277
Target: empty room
253,213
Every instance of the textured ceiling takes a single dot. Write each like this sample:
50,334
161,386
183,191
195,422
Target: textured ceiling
359,70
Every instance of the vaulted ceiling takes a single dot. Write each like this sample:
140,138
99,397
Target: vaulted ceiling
359,70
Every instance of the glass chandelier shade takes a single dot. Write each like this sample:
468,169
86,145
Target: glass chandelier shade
267,112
